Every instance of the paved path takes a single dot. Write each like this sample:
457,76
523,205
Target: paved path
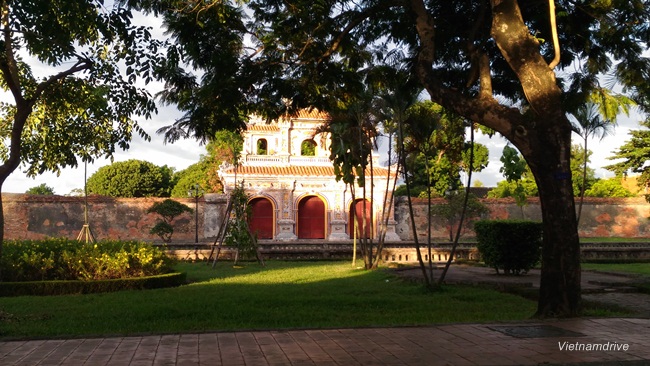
528,343
607,288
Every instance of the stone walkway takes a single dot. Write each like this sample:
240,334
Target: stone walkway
607,288
614,341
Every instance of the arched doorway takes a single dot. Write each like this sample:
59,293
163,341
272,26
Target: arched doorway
260,220
363,228
311,218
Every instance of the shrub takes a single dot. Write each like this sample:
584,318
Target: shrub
64,259
512,245
48,288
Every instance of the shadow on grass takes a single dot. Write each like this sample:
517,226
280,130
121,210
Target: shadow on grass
282,295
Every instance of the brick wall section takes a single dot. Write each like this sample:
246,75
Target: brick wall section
601,217
35,217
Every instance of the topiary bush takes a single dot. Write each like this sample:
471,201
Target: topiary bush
50,288
511,245
168,210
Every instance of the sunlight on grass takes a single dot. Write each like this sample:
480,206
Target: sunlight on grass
281,295
276,272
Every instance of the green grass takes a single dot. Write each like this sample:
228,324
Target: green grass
636,268
279,296
614,240
633,268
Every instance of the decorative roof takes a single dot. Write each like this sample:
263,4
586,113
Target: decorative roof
312,114
264,128
313,171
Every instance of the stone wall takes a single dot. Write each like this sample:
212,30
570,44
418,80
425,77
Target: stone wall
601,217
35,217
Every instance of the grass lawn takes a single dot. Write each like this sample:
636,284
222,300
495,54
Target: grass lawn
637,268
613,240
280,295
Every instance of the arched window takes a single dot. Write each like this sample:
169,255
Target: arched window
262,147
308,148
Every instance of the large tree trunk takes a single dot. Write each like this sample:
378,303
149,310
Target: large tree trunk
542,133
549,158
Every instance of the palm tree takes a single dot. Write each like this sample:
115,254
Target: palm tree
590,124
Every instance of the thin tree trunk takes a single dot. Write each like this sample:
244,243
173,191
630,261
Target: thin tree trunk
410,204
426,167
462,214
386,215
584,181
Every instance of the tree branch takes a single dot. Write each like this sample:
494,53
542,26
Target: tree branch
480,63
556,41
355,21
83,64
8,64
486,111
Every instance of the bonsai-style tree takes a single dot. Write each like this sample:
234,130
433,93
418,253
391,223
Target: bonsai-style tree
168,210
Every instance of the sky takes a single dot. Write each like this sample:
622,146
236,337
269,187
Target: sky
183,153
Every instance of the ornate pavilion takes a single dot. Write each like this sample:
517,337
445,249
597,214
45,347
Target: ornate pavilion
285,168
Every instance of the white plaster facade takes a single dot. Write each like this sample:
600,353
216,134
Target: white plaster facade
274,170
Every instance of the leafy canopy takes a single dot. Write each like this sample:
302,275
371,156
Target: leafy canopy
436,150
70,99
42,188
635,154
132,178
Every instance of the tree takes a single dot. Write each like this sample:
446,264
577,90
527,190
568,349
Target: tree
589,124
225,146
484,61
66,96
583,176
132,178
197,173
610,187
353,132
436,150
635,153
451,210
526,186
513,170
168,210
42,189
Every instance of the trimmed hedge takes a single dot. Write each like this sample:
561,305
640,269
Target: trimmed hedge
511,245
46,288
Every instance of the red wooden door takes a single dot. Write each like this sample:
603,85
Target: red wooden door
261,218
363,228
311,218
